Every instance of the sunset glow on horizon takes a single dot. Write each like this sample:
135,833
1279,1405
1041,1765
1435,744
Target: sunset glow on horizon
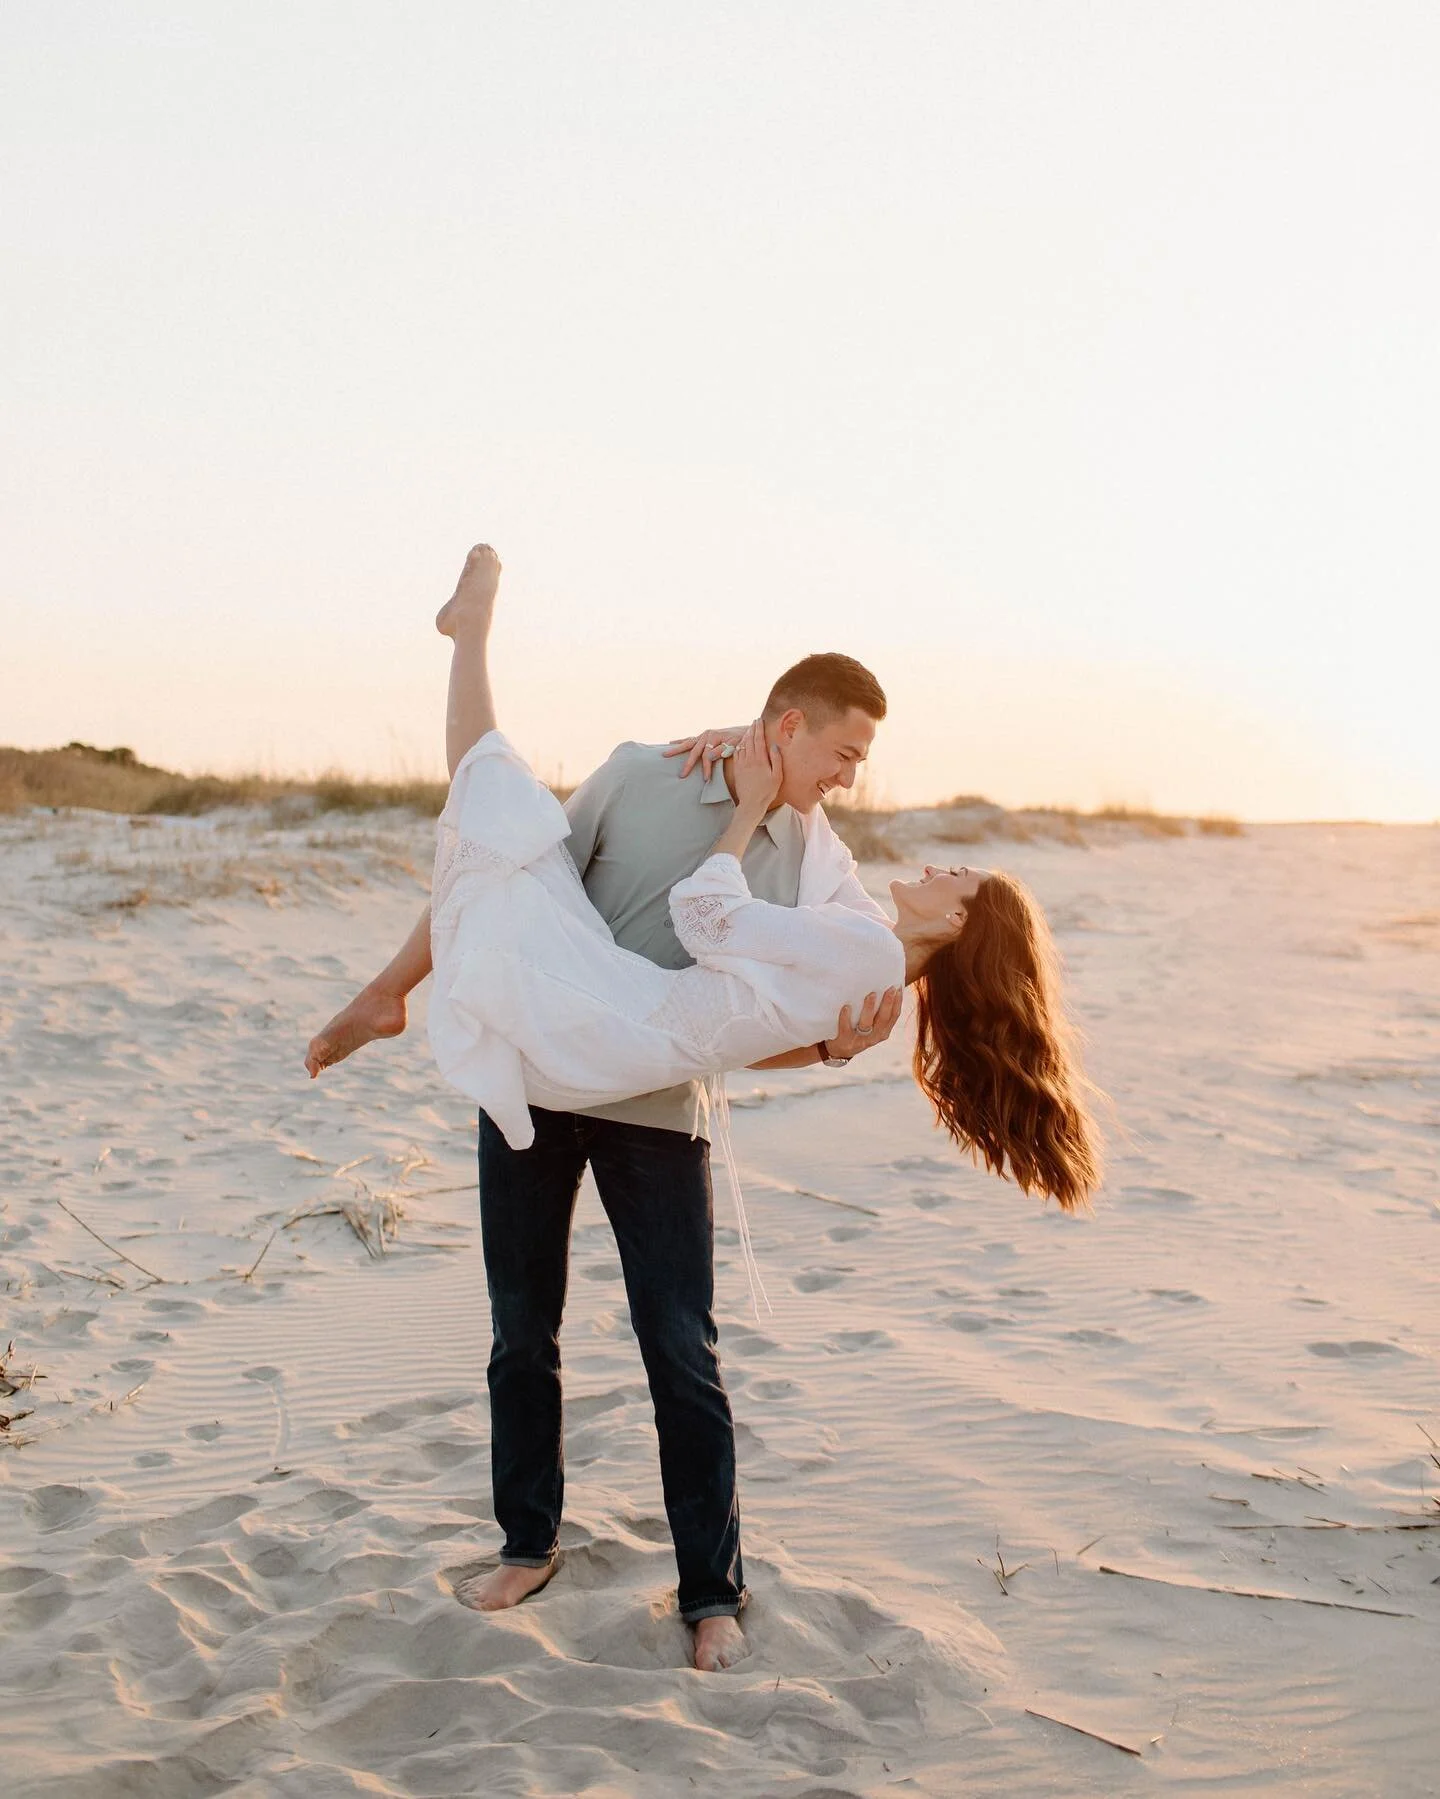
1075,369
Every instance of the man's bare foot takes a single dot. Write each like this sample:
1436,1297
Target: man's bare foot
369,1015
719,1643
502,1587
473,601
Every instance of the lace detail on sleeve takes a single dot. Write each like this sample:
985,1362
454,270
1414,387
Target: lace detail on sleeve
456,856
704,916
693,1012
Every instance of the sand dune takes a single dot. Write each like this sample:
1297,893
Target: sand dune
256,1456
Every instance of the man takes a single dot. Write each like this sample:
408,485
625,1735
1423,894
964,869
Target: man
635,831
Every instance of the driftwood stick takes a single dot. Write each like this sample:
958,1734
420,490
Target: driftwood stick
1080,1730
1188,1586
163,1280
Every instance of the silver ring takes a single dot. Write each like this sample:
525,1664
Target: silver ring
864,1030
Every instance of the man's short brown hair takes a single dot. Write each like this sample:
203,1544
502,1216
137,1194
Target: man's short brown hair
825,687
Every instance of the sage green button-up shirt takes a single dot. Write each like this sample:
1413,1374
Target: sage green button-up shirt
635,830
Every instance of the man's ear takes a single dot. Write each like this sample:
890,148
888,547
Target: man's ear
788,724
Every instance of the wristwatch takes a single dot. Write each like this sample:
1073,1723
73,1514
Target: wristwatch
832,1061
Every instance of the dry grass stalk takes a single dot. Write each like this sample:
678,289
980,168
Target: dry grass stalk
1339,1524
249,1272
160,1279
1000,1571
16,1380
1189,1586
101,1280
20,1439
1080,1730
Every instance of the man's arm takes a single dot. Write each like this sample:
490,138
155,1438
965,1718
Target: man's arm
878,1017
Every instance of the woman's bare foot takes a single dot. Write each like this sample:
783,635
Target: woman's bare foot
473,601
369,1015
719,1643
502,1587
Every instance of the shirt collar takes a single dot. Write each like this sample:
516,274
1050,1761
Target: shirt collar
776,823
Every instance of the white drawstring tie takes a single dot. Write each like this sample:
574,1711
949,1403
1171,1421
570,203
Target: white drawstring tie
710,1094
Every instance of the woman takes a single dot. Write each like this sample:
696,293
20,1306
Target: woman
534,1002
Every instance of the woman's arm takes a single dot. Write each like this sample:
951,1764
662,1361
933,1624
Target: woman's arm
758,774
377,1010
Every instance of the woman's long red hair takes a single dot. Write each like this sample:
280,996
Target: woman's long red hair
994,1054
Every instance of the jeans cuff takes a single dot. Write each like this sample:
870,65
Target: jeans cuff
714,1608
527,1561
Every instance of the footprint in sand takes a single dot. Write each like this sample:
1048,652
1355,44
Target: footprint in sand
174,1308
206,1433
923,1165
847,1233
771,1388
817,1280
602,1271
970,1322
1098,1339
853,1342
1179,1296
1170,1197
1358,1348
929,1200
66,1326
59,1507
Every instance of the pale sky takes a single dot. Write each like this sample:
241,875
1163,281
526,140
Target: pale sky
1073,365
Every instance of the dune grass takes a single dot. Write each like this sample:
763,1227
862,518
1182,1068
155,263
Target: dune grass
117,781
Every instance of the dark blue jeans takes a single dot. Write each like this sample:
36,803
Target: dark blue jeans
655,1187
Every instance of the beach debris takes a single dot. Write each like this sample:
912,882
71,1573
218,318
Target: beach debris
1313,1523
261,1257
1080,1730
18,1439
1192,1586
374,1218
1281,1479
16,1380
1000,1571
161,1279
825,1199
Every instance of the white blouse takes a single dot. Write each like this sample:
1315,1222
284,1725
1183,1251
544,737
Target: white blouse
535,1002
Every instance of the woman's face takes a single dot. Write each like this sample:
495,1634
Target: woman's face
938,896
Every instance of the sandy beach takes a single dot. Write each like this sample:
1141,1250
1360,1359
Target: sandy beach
1166,1475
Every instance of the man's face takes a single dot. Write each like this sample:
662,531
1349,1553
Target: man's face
821,757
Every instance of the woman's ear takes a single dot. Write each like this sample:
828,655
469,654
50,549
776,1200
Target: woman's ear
957,919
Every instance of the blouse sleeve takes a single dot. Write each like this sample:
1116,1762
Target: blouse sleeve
719,921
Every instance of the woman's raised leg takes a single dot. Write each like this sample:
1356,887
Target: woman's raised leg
465,619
